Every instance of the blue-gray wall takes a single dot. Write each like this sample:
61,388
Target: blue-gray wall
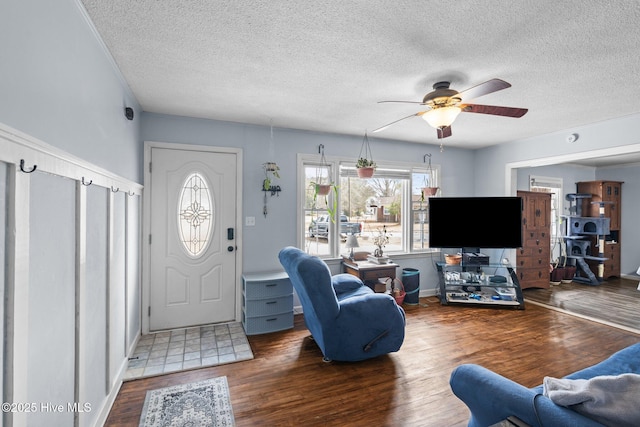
276,230
58,85
614,134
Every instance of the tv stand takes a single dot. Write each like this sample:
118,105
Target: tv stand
491,284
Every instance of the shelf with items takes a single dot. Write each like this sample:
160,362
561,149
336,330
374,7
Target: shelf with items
472,284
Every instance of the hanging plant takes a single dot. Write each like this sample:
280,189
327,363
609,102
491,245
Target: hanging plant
270,172
430,186
320,188
365,164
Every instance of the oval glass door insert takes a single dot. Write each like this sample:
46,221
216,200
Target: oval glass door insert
195,214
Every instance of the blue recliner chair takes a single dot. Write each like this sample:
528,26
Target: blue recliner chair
347,320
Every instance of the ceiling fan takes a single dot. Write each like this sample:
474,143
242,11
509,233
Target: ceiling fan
444,105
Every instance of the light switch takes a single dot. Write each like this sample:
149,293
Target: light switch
250,221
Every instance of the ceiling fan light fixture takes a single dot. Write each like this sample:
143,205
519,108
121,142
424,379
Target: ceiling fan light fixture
441,117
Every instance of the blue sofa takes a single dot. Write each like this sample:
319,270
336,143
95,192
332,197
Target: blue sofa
491,397
347,320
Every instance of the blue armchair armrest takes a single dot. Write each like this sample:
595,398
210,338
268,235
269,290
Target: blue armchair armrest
491,398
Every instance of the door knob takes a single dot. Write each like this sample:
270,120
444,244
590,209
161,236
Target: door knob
230,248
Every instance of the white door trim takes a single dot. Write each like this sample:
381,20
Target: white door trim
146,223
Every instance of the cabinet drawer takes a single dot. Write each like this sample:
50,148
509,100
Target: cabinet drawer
266,324
264,307
374,275
533,277
536,242
267,288
539,262
611,269
611,250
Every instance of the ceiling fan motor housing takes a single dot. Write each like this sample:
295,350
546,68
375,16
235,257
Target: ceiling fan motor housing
441,96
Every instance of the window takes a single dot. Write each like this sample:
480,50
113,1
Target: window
195,214
392,199
551,185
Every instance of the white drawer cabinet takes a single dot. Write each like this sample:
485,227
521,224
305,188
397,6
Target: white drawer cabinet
267,302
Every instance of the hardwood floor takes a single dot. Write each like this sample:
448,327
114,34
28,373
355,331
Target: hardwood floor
287,384
615,300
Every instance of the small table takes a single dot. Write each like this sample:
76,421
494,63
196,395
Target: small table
369,272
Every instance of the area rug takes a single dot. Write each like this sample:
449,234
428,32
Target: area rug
203,403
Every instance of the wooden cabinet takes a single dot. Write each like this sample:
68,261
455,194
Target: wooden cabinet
370,272
533,258
609,192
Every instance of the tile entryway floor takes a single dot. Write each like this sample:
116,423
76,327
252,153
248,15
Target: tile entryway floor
189,348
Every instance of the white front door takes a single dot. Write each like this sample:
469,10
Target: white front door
193,237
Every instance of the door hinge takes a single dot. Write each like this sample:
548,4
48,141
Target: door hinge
149,167
149,238
149,311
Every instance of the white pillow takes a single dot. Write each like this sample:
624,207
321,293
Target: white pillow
610,400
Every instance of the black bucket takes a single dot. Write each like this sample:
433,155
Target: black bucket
411,283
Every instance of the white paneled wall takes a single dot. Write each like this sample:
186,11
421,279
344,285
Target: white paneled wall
71,282
51,304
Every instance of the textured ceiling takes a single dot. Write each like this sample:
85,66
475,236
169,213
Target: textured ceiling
324,65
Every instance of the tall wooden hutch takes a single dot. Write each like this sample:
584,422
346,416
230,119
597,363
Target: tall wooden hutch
533,258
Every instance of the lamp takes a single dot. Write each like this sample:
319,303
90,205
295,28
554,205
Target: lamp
441,117
352,242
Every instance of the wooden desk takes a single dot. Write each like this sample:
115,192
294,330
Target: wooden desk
369,272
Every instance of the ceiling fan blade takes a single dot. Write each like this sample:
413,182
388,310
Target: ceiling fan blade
418,114
494,110
402,102
482,89
444,132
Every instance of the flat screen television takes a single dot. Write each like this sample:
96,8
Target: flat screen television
475,222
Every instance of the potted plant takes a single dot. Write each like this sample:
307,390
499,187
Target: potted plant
569,273
556,273
429,191
380,240
319,187
365,165
430,188
324,190
270,172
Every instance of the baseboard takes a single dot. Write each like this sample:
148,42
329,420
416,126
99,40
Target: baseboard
632,277
106,408
115,389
